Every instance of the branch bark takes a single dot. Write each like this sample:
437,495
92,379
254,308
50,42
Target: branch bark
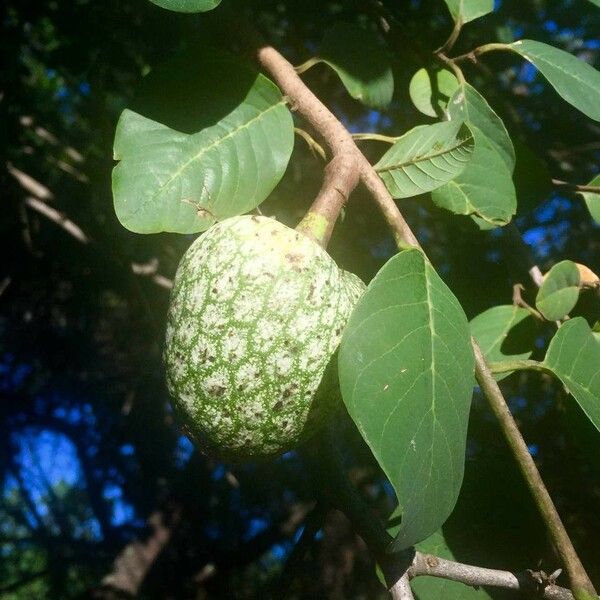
135,561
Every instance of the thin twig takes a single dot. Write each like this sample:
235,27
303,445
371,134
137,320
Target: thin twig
401,589
575,187
449,43
433,566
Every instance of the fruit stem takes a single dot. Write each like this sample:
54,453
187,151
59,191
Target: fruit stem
341,176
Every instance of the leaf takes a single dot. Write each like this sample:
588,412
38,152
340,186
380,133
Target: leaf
596,2
504,333
485,188
427,588
168,180
431,89
468,10
574,357
361,63
406,376
574,80
559,291
187,6
592,200
472,108
425,158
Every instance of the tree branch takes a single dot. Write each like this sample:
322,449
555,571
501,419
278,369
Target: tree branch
136,559
427,564
341,143
579,579
575,187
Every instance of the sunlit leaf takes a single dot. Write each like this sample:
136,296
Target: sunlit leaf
187,6
406,375
504,333
574,357
485,188
431,89
592,200
587,277
168,180
472,108
559,291
468,10
574,80
425,158
361,63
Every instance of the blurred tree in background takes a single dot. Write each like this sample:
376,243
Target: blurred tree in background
92,464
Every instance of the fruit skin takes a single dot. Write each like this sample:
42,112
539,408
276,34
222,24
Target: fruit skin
257,311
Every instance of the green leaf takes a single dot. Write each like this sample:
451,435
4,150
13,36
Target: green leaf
427,588
468,10
170,180
504,333
573,79
406,376
593,200
485,188
574,357
425,158
596,2
430,90
187,6
361,63
472,108
559,291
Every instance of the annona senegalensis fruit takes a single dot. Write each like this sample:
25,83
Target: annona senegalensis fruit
256,314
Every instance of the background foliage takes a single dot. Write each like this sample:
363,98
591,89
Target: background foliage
89,447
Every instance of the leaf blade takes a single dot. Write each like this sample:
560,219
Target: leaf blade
406,350
187,6
574,357
559,291
485,188
592,200
468,10
428,88
497,333
360,62
574,80
424,158
168,180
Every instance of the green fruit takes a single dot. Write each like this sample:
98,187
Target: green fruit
256,314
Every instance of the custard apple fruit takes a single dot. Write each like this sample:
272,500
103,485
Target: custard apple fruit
256,315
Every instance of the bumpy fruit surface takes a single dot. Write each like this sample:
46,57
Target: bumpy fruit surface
256,314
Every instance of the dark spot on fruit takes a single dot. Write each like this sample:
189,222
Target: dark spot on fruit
254,218
278,405
338,331
240,387
284,423
214,290
287,392
293,258
216,390
210,358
